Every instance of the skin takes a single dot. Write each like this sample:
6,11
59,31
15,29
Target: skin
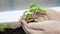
51,26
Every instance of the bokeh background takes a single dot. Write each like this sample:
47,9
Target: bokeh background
24,4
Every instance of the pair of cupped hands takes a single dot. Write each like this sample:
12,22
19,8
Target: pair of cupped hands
51,26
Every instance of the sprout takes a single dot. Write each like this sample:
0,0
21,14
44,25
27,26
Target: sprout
34,8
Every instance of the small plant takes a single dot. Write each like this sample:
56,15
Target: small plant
33,8
2,29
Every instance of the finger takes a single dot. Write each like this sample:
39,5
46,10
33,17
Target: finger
35,26
24,22
31,31
35,31
40,25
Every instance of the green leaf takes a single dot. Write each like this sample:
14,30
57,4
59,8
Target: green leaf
42,11
33,5
8,25
28,16
38,8
32,10
1,28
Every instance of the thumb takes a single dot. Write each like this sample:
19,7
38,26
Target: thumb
40,25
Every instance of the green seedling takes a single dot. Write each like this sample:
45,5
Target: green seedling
33,8
1,28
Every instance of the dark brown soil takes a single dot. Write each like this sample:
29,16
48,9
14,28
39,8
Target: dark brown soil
18,30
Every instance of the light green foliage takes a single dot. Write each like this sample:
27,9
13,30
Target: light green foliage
28,16
34,8
8,25
1,28
42,11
